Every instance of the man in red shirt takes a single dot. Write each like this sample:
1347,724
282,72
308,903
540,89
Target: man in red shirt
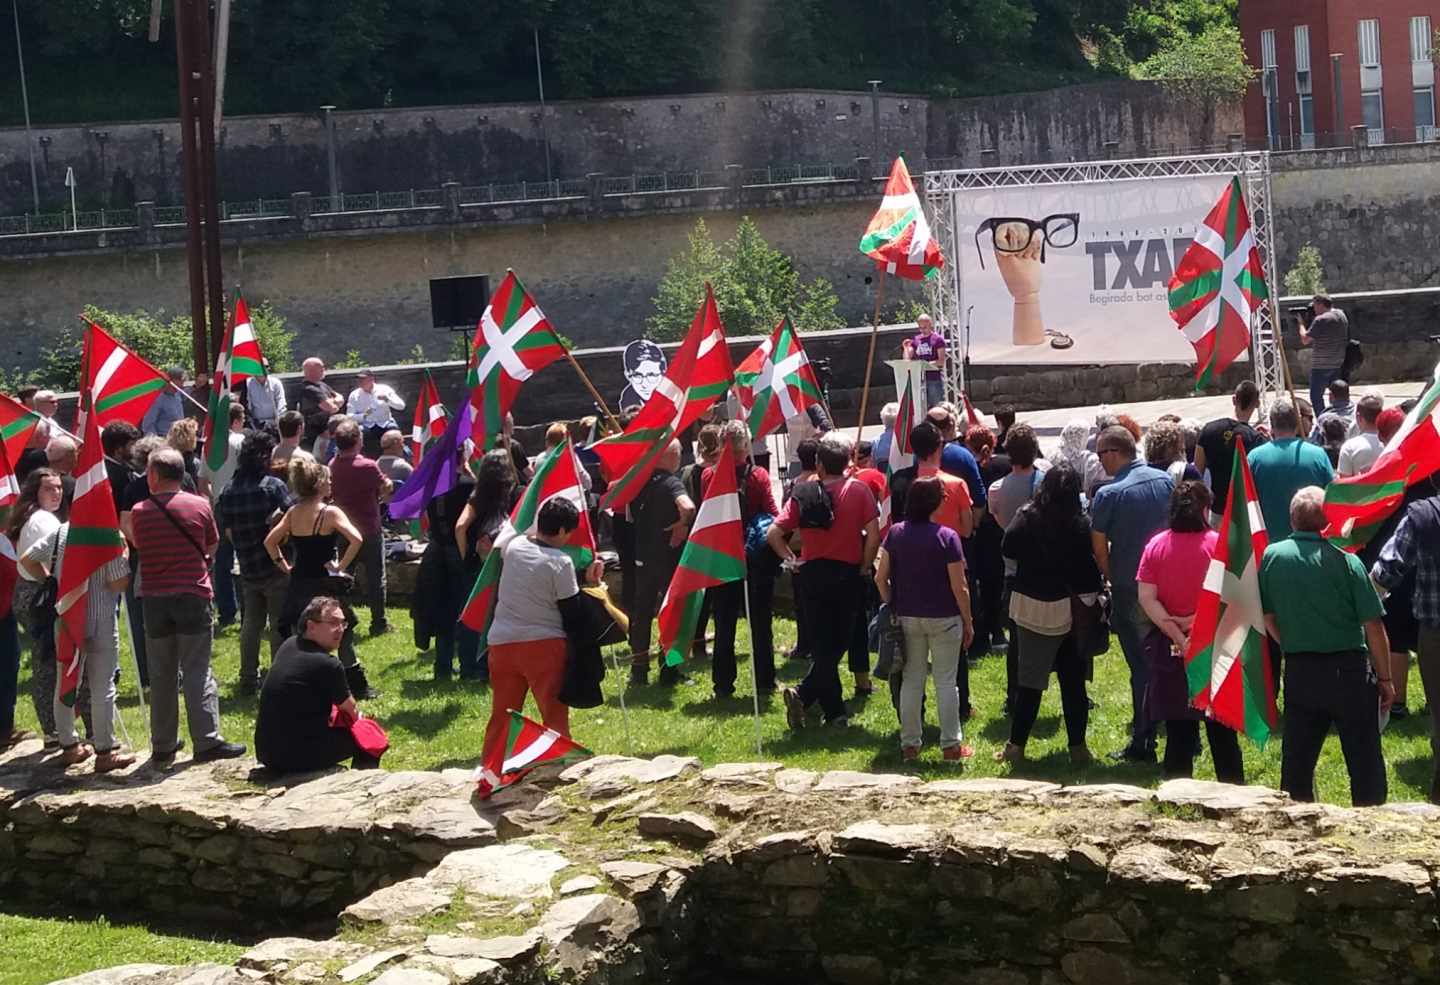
863,468
841,541
358,487
175,531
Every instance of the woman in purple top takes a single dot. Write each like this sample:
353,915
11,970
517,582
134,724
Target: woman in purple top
921,574
928,345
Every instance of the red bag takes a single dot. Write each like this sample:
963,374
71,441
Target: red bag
367,733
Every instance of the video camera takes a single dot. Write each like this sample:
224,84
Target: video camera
1303,314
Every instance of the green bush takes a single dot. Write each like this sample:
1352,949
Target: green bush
1307,277
163,342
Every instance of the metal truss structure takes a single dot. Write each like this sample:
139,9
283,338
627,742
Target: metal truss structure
946,291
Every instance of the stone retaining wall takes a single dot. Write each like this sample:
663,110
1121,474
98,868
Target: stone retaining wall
624,870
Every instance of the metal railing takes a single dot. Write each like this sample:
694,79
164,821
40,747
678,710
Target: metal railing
421,198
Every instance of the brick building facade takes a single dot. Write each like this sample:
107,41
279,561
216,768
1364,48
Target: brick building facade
1328,66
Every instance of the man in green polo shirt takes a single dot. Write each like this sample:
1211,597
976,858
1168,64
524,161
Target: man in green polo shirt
1322,609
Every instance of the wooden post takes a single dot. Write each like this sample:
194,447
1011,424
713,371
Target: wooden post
870,357
593,392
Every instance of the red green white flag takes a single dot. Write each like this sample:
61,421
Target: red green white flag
776,381
430,419
514,342
9,493
93,541
714,554
17,424
557,474
901,457
528,744
1356,506
1228,661
698,375
1218,286
217,414
246,359
123,385
899,237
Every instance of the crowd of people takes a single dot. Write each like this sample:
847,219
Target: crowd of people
982,544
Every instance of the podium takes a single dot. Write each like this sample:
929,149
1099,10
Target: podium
913,371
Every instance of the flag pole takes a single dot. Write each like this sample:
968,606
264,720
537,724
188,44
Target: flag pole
870,359
750,626
584,378
624,712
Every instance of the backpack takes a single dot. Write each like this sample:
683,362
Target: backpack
815,505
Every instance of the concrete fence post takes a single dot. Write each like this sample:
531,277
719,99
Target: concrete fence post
302,206
864,169
145,222
1112,149
1235,143
1360,136
595,191
734,181
450,192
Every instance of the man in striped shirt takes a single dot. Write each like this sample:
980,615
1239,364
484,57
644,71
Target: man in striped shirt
176,533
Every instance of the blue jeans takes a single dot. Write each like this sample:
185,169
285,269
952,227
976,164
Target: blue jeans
1132,627
222,576
9,673
1319,380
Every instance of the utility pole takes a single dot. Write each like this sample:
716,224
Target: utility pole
875,121
202,206
222,55
544,127
25,102
335,202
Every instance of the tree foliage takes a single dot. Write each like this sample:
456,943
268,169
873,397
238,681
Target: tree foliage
1208,67
1307,277
754,283
160,340
294,55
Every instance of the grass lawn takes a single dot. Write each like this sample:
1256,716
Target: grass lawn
35,950
434,725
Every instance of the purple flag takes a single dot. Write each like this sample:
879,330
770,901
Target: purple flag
437,472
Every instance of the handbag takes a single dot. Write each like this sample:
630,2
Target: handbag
889,642
370,738
1090,625
40,612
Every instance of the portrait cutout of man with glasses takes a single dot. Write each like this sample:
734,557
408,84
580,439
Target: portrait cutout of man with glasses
1019,244
645,366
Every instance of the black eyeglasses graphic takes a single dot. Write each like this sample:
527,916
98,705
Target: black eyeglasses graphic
1059,230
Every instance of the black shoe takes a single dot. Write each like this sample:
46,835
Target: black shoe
225,750
1398,712
671,676
369,694
165,760
1135,752
379,628
724,693
247,689
639,675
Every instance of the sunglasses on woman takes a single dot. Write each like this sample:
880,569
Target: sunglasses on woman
1059,230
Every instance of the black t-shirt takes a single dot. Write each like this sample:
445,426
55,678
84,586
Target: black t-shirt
998,467
120,478
30,460
303,684
653,511
139,490
308,401
1217,439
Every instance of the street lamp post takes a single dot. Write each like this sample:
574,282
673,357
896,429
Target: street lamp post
25,102
544,128
875,120
330,154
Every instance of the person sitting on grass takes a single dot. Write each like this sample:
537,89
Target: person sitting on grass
921,574
305,689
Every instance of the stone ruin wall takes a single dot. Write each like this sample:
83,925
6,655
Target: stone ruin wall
626,870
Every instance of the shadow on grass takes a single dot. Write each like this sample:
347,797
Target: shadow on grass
428,687
425,722
1417,770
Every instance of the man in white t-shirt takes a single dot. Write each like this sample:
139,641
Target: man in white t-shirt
1357,454
527,637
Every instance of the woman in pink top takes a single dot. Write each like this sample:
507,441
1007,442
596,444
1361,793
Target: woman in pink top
1172,572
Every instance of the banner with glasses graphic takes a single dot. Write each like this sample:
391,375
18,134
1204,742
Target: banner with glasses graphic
1077,273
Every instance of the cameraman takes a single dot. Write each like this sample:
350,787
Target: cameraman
1328,330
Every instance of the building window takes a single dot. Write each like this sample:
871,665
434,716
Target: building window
1425,114
1372,102
1269,82
1422,78
1304,98
1420,39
